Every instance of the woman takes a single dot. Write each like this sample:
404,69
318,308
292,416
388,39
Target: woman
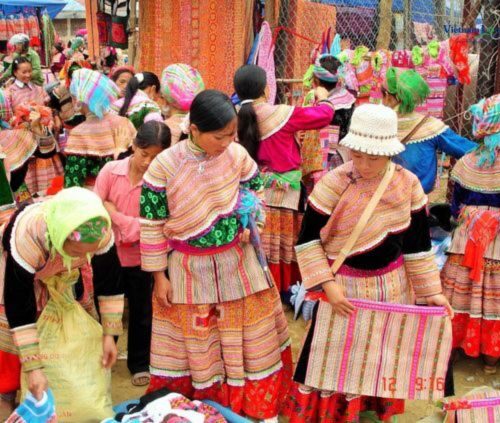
390,262
139,103
21,43
219,331
103,135
471,276
58,59
180,84
320,149
119,186
121,75
424,135
46,246
269,134
22,90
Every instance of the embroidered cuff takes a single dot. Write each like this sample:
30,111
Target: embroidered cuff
423,273
154,246
111,308
313,264
26,340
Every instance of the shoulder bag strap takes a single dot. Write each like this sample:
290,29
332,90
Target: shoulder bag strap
363,220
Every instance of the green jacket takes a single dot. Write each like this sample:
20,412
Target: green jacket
37,76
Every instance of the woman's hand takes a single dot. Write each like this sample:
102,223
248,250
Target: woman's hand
122,138
440,300
337,299
109,351
37,383
162,289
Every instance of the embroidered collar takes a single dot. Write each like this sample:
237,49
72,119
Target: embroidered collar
22,84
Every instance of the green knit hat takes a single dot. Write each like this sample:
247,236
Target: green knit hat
408,87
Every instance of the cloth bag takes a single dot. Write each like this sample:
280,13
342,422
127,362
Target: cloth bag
71,353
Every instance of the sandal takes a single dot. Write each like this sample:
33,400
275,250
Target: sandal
141,379
489,370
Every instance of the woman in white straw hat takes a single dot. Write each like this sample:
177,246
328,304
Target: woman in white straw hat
390,261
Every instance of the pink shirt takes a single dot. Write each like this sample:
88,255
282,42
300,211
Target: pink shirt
113,184
22,93
281,152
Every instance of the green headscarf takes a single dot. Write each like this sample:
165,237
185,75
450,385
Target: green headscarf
70,210
409,88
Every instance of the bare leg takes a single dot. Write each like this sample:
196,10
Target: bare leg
7,404
490,364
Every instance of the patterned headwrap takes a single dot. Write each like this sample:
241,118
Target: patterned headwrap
180,84
71,210
321,73
94,89
5,109
72,65
77,43
91,231
408,86
19,39
120,69
486,125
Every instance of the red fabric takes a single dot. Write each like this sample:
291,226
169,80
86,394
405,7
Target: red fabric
476,336
259,399
483,231
10,369
459,55
285,275
311,407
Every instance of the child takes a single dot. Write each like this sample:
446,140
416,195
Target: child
23,90
119,185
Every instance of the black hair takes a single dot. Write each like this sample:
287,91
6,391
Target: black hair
18,61
119,72
331,64
59,47
149,80
211,110
153,133
250,83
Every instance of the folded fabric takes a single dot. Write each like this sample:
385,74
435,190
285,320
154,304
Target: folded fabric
478,407
34,411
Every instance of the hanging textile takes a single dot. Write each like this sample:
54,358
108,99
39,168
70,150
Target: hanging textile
209,35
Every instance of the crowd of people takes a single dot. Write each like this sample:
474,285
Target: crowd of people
203,210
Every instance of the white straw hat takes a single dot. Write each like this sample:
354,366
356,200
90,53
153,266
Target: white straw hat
374,130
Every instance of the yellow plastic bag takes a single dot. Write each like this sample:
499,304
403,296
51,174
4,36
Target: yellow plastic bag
71,352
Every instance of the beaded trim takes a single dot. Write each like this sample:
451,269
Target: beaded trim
377,137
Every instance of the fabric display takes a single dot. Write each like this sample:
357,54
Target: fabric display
19,23
112,23
170,408
409,361
212,37
480,407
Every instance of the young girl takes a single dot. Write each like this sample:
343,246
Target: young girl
139,103
121,75
180,84
390,262
103,135
219,331
269,132
22,90
471,277
119,186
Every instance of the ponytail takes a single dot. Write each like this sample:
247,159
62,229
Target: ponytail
140,81
248,129
249,83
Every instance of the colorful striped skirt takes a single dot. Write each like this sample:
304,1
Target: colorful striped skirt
476,325
236,353
41,172
279,238
308,404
